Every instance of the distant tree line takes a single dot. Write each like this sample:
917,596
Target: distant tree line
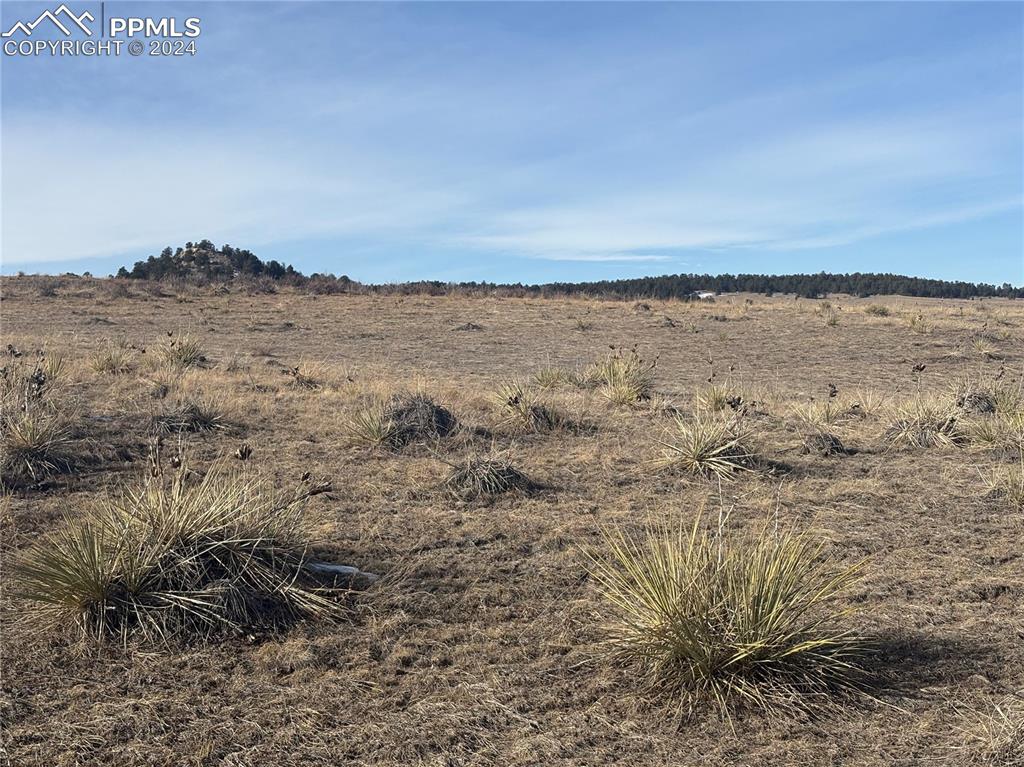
204,262
805,285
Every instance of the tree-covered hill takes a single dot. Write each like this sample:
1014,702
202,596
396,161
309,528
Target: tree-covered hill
204,262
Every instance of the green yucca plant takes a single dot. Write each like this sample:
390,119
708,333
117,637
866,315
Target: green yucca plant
716,398
521,407
181,351
34,442
113,359
372,426
927,421
179,558
707,446
728,618
624,377
550,377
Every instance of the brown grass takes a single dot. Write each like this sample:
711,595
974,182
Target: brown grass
481,646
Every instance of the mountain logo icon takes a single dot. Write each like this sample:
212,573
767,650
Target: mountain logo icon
55,16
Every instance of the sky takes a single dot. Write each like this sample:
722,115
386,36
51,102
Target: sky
530,142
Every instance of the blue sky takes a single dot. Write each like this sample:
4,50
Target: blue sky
531,141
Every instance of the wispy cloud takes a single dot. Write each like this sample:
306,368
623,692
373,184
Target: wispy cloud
618,145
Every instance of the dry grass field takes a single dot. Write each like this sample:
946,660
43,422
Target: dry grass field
484,640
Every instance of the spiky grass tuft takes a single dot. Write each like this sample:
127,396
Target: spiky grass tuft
550,378
402,420
707,446
716,398
114,358
623,377
730,619
33,443
522,408
176,559
181,351
925,422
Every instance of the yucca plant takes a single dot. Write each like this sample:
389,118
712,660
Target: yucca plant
986,349
181,351
715,398
179,558
707,446
925,422
400,421
521,407
34,442
113,358
372,426
730,619
624,377
550,377
866,403
919,324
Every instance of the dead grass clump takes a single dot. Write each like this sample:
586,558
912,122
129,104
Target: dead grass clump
731,619
114,358
478,477
822,415
402,420
986,349
877,310
192,414
865,403
997,739
707,446
521,407
181,351
925,422
1008,483
302,380
179,559
823,443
